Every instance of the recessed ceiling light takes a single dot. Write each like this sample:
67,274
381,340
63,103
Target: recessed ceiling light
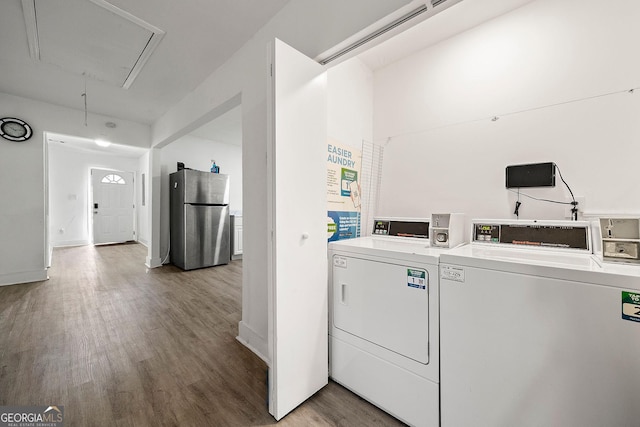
102,143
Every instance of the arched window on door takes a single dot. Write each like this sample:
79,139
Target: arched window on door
113,179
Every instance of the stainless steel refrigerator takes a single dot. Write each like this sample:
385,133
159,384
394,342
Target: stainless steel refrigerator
200,231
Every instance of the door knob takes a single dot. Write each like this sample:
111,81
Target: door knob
305,235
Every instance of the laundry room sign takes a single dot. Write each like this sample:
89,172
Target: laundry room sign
631,306
343,191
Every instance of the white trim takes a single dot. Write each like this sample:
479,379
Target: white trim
271,197
126,15
254,342
29,13
148,50
48,247
23,277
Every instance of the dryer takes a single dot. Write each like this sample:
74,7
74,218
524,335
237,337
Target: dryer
384,329
536,331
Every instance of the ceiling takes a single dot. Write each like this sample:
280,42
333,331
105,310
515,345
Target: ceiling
96,44
136,59
225,129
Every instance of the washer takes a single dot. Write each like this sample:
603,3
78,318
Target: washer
383,332
536,331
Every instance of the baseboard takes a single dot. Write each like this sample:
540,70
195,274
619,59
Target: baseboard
23,277
153,262
143,242
65,243
254,342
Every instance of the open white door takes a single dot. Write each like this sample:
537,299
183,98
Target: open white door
112,206
297,282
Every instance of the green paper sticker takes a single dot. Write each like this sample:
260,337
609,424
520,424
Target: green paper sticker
631,306
416,278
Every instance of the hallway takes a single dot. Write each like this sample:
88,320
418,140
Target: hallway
117,344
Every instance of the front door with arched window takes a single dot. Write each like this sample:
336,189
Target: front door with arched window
112,206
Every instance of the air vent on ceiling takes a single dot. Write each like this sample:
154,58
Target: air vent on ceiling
417,15
376,34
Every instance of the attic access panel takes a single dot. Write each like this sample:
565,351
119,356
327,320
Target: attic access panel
94,38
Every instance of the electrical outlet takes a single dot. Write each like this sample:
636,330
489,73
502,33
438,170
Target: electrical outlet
581,207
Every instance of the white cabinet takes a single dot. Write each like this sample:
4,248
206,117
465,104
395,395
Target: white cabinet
236,237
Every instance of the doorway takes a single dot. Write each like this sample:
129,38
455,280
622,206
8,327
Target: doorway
216,137
70,160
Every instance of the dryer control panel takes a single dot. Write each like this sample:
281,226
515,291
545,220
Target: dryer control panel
401,228
547,234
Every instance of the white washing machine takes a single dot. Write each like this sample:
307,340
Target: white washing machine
536,331
383,332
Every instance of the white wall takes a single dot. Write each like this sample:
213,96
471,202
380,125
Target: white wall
350,103
69,187
197,153
445,153
350,121
22,211
312,27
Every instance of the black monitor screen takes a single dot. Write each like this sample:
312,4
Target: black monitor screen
533,175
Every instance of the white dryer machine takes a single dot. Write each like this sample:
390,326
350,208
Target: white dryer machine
384,329
536,331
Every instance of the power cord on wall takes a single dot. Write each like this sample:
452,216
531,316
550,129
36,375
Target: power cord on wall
168,251
574,209
573,202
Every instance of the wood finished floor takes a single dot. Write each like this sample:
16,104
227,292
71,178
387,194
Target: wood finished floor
118,344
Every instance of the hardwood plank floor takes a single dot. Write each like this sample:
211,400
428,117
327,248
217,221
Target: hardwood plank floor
118,344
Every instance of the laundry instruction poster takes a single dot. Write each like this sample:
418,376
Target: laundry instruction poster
343,191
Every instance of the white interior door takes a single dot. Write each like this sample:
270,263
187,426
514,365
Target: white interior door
297,280
112,206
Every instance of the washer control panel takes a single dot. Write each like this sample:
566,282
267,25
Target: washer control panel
548,234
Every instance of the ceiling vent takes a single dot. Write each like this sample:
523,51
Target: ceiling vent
375,34
92,38
419,14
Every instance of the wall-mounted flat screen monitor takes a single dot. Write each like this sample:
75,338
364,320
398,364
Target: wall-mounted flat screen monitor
531,175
